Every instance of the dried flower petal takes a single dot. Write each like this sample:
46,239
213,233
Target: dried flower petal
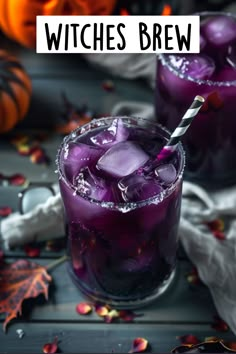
219,235
1,256
38,156
230,345
217,224
55,245
24,149
50,348
193,277
5,211
220,325
212,339
83,308
113,314
101,310
17,179
32,251
139,345
108,86
127,315
189,339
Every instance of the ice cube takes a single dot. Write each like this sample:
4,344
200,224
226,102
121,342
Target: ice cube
122,159
219,30
136,188
197,66
77,156
167,173
90,185
116,133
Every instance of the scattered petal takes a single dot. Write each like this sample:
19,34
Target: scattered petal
101,310
189,339
32,251
167,10
17,179
20,333
108,86
37,156
217,224
24,150
193,277
1,257
212,339
127,315
230,345
5,211
219,235
51,347
220,325
83,308
139,345
55,245
112,315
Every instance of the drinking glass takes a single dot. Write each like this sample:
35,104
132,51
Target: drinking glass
210,142
122,253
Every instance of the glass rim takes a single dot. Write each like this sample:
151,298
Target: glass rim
190,78
120,206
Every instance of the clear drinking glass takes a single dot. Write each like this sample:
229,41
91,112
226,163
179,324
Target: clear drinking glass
210,142
123,252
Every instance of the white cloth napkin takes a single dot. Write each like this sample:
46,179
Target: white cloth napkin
215,259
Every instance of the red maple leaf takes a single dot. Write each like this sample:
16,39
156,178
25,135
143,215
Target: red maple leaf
19,281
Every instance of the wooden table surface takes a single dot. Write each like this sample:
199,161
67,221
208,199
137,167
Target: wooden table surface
185,309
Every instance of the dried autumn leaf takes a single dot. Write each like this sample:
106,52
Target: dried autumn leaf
83,308
139,345
19,281
51,348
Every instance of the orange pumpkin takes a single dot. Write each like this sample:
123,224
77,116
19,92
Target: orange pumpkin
15,91
18,17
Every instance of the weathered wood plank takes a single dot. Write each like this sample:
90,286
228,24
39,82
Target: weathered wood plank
181,304
99,338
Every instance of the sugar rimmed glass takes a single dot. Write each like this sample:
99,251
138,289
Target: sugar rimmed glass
122,254
210,142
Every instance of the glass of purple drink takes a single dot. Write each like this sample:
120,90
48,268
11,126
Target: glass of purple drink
210,142
121,221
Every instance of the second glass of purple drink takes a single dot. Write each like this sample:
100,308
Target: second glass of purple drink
122,224
210,142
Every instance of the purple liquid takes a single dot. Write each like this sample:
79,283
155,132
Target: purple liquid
122,235
210,142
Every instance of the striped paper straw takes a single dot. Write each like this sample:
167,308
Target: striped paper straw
185,123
